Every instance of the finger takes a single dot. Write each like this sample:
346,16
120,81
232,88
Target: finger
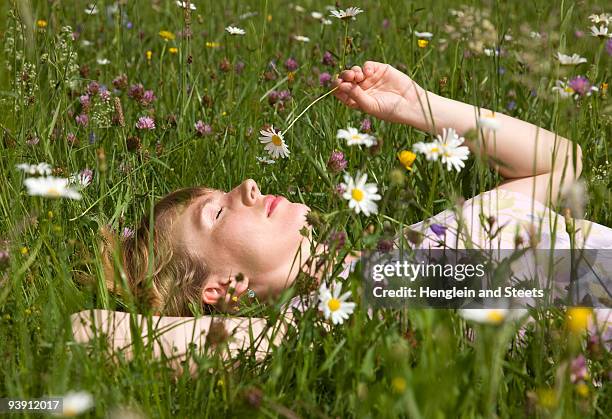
343,97
364,100
370,67
347,75
352,104
359,76
242,287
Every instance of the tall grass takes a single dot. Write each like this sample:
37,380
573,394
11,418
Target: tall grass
356,369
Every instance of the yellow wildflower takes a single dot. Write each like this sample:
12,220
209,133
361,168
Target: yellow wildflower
577,318
406,158
173,50
269,18
398,384
547,398
167,35
24,250
422,43
212,44
149,54
582,389
41,23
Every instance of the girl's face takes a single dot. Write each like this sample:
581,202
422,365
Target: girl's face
247,232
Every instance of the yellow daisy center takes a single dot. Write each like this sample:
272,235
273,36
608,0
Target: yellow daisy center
53,192
569,89
435,150
356,136
333,304
357,194
495,316
276,140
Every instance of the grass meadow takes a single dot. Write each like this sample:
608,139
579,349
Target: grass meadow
140,98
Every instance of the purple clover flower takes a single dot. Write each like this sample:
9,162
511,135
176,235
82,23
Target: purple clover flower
85,101
580,84
82,119
147,98
366,125
325,79
609,46
336,162
328,59
202,128
93,88
136,91
291,64
284,95
145,122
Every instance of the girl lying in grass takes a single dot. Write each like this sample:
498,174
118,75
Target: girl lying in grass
203,238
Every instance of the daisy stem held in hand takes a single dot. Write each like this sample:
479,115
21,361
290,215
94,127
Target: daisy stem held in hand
309,106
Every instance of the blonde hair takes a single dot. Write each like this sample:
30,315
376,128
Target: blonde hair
159,273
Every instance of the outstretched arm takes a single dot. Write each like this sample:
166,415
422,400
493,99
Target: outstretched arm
533,160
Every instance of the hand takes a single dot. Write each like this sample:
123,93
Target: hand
381,91
235,290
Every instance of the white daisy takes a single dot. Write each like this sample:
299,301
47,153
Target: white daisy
299,8
423,35
265,160
50,187
76,402
349,13
446,146
491,315
535,35
81,179
601,32
563,89
275,144
573,59
317,15
430,150
103,61
326,22
185,5
92,9
301,38
233,30
489,122
41,168
86,43
354,137
453,153
361,195
490,52
333,304
602,18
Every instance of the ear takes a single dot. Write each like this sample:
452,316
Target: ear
217,288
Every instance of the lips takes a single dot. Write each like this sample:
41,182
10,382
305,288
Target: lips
271,203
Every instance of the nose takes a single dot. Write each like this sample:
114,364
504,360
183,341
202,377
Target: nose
249,192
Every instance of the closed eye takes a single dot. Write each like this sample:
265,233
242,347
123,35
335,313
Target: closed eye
219,213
